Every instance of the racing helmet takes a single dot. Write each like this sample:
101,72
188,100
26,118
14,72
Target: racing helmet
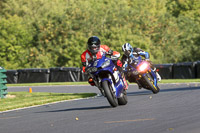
94,44
127,49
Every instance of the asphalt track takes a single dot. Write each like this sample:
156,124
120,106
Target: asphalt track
175,109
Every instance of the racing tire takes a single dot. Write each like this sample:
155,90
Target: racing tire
150,83
112,99
123,100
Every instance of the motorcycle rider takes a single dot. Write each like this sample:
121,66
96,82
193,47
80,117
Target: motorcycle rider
95,51
131,54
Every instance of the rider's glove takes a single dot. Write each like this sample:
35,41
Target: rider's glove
147,60
110,52
86,70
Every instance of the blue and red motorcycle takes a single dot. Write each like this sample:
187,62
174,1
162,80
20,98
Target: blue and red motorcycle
108,79
139,71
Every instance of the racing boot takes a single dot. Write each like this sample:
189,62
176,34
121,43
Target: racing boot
125,82
124,79
139,85
157,74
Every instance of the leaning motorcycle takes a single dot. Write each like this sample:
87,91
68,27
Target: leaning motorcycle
139,71
108,79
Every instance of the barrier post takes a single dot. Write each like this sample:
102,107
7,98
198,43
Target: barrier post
3,81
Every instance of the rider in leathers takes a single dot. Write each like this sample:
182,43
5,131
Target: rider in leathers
132,54
95,51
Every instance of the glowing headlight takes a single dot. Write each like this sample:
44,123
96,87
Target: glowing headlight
105,64
143,67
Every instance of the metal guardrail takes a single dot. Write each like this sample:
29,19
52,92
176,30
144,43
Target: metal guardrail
187,70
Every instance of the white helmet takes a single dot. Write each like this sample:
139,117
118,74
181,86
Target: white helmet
127,49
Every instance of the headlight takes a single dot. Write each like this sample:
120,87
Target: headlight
105,64
95,63
91,69
143,67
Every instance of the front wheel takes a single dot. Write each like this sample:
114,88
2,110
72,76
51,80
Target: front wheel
110,94
150,83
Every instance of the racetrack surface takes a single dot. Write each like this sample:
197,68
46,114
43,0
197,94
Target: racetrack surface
175,109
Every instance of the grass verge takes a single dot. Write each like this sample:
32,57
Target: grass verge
16,100
179,80
51,83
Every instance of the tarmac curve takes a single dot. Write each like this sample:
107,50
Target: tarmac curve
175,109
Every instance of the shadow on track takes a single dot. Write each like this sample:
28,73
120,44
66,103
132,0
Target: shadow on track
139,93
74,109
148,92
180,89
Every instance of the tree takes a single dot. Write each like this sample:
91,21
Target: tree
14,42
55,32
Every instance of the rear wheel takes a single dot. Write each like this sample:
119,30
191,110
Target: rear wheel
110,94
150,83
123,100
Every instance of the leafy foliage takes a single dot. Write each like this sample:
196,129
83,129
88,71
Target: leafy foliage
14,41
53,33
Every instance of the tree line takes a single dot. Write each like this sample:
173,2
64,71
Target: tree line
54,33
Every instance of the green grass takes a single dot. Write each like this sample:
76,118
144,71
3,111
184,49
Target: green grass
86,83
165,81
179,80
15,100
52,83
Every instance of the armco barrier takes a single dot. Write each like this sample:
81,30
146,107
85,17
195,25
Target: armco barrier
197,66
184,70
3,87
165,70
187,70
12,76
64,74
33,75
83,76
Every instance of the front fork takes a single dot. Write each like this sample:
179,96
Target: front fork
97,82
109,79
154,77
117,88
150,72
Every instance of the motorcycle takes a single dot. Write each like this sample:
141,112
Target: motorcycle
139,71
108,79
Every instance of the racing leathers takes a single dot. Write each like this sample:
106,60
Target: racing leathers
137,53
87,56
